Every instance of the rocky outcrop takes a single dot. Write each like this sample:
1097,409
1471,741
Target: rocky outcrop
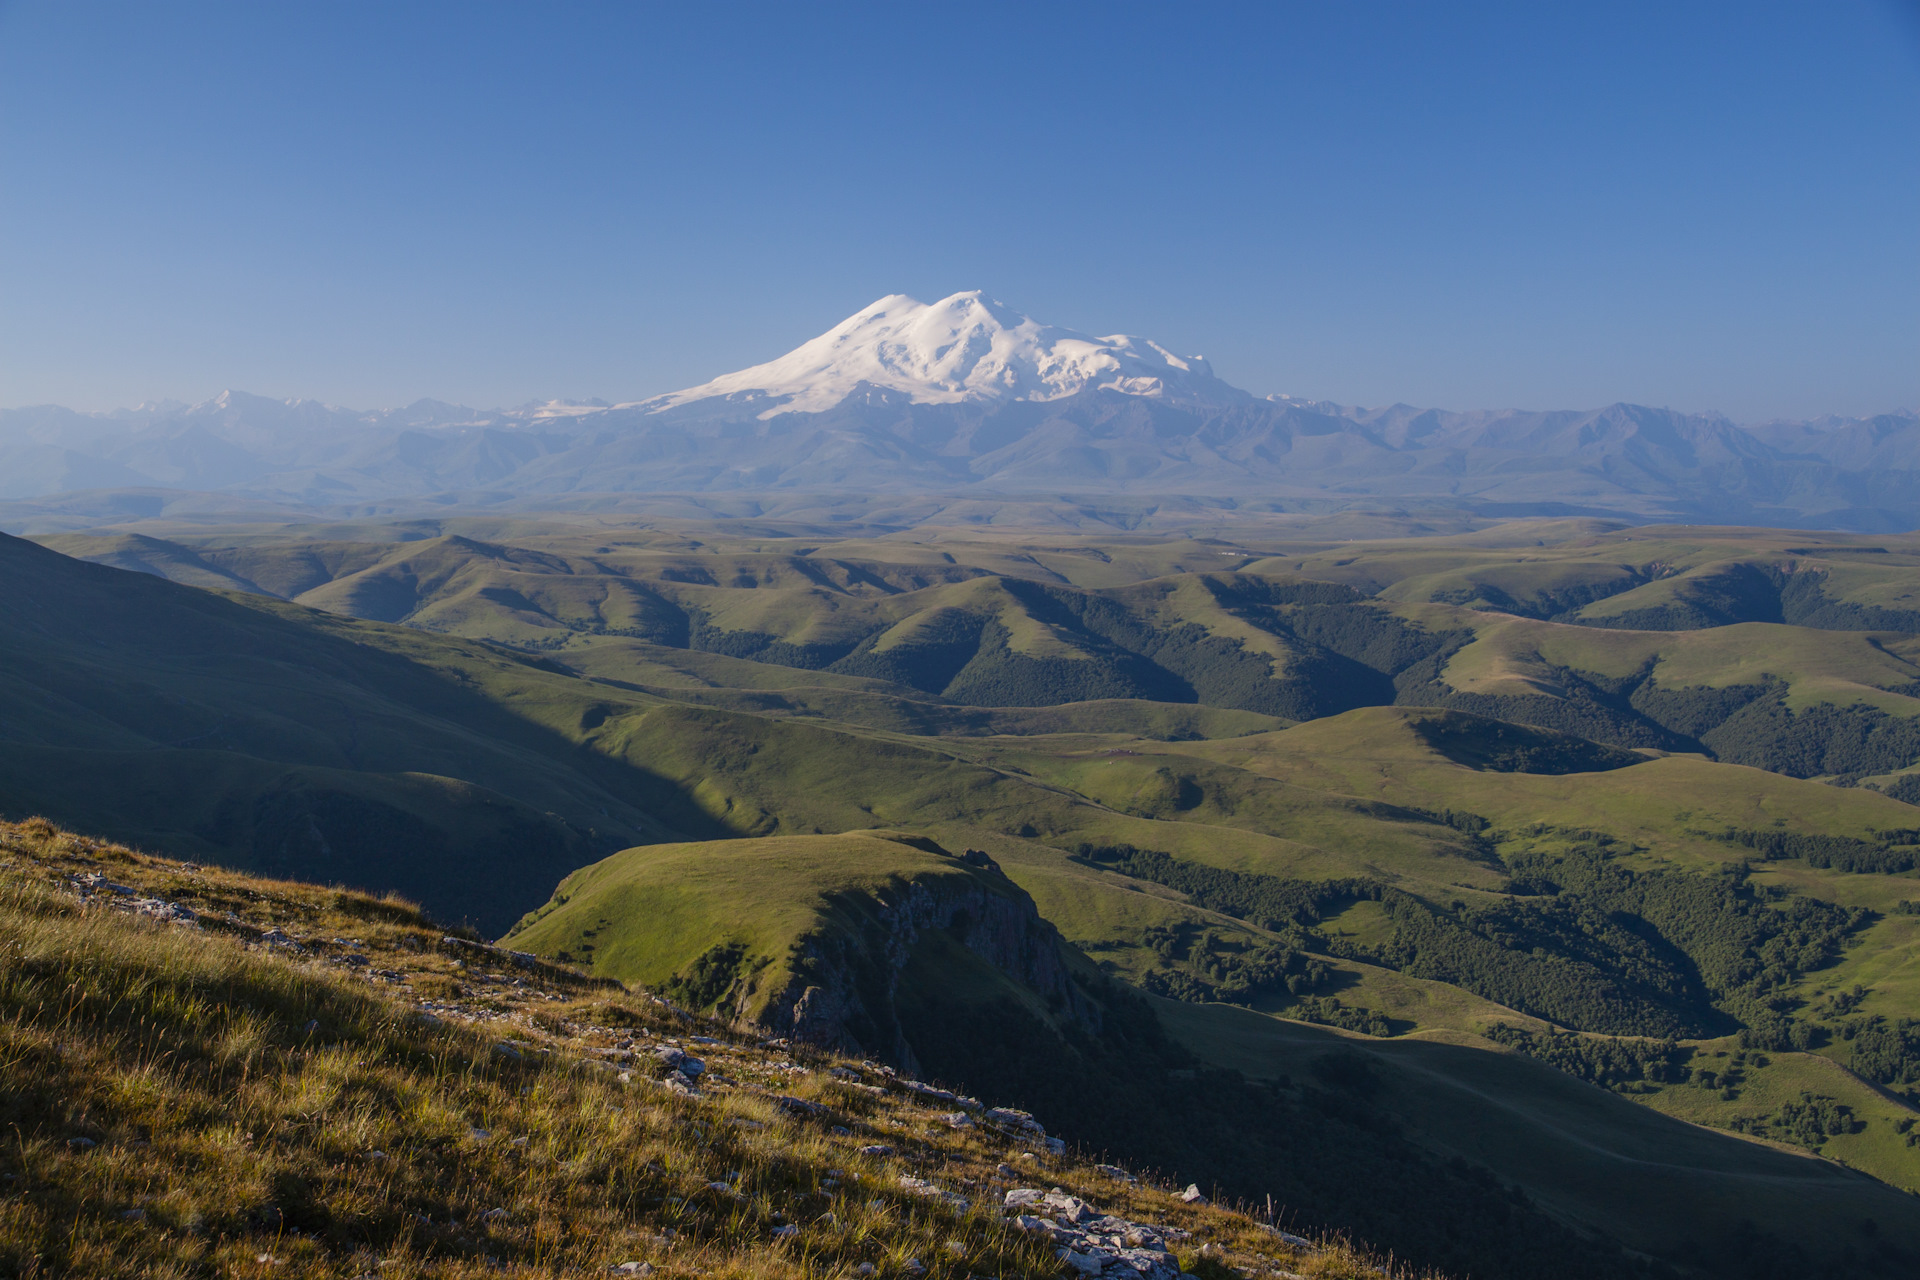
845,980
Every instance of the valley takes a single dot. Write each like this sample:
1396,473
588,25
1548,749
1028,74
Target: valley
1393,819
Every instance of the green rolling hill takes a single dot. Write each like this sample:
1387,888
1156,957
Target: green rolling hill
1568,891
1784,651
878,938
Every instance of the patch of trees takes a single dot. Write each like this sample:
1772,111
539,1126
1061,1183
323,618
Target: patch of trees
1737,593
1745,950
1317,678
1694,710
1471,827
1893,852
1273,903
996,676
1553,960
1200,966
1610,1062
708,979
939,649
1365,633
1350,649
759,646
1809,1122
1821,739
1759,593
1593,945
1885,1051
1905,788
1592,707
1500,746
1223,673
1805,603
1326,1011
1548,603
1557,960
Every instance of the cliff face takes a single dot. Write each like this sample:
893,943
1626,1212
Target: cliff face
845,982
836,940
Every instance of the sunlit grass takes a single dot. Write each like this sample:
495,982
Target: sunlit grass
185,1102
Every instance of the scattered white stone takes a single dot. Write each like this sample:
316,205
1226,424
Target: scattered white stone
1093,1245
1192,1194
685,1063
1087,1264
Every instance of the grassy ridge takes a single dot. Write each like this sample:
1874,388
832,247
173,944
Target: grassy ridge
186,1101
1690,640
1113,1086
647,915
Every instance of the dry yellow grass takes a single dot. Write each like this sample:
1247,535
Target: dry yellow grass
207,1099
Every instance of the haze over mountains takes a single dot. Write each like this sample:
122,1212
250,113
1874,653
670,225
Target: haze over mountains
967,395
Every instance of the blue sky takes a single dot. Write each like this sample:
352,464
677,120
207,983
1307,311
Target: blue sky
1708,206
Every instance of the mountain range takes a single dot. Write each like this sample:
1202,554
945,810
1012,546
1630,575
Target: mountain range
967,395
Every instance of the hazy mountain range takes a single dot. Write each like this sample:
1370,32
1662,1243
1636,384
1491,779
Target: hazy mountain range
968,395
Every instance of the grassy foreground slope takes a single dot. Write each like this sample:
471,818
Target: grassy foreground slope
254,1093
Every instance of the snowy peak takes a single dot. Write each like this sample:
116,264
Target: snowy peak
967,347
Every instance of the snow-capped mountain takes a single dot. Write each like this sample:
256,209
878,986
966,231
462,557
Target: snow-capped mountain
964,395
964,348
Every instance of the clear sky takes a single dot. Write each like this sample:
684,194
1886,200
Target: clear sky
1702,205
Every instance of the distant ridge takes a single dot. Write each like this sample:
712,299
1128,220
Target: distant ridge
968,395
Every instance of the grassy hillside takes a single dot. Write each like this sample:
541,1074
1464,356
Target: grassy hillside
1309,800
1585,1153
288,740
313,1083
736,924
1715,641
1601,1162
